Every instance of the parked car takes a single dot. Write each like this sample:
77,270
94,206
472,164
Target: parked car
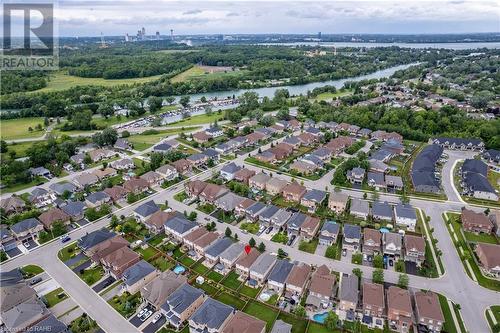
269,230
65,238
142,312
344,252
35,280
156,317
26,244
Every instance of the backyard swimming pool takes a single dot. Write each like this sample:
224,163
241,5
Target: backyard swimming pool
320,317
179,269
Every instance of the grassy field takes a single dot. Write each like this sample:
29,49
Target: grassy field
199,119
328,96
142,141
62,80
20,148
205,72
494,178
12,129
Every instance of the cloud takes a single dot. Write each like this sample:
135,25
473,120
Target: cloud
192,12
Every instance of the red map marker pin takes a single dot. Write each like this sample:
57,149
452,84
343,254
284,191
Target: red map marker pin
248,248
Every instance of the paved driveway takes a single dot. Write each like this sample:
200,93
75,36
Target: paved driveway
153,327
104,284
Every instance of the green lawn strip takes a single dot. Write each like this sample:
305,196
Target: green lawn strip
162,264
18,187
126,304
262,312
165,330
177,253
449,325
480,238
54,297
92,275
252,228
314,327
232,300
273,299
280,237
308,246
231,281
156,240
208,288
436,250
249,291
29,271
111,287
299,325
199,120
181,196
186,261
495,309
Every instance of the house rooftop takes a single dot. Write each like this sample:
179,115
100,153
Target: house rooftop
212,314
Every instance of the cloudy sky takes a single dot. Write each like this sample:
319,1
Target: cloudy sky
90,18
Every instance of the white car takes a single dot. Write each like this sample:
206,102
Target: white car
156,317
142,312
146,315
26,244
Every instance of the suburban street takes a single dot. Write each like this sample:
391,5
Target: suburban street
454,283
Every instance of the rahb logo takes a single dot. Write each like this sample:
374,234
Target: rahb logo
29,36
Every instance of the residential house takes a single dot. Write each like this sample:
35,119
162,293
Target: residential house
192,236
100,154
7,240
179,227
228,202
294,192
352,237
360,208
26,229
405,215
259,181
136,185
118,261
152,178
212,192
245,262
203,243
475,222
424,169
243,205
194,188
376,180
75,210
337,202
12,204
197,160
321,289
294,224
260,270
122,144
24,316
399,309
212,253
329,233
63,188
303,168
348,295
40,172
267,213
168,172
382,211
229,257
266,157
253,211
212,154
94,238
103,248
281,327
52,216
313,199
156,221
297,280
241,322
105,173
201,137
156,292
278,276
214,131
211,317
392,244
394,183
372,240
475,180
182,166
275,186
145,210
97,199
279,219
459,143
309,228
356,175
373,305
414,249
229,170
181,304
116,193
243,175
495,221
428,311
40,197
137,276
489,258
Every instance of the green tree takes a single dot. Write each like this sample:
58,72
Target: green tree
378,276
251,242
3,146
331,252
262,247
358,272
403,280
154,104
332,321
378,261
156,160
106,110
357,258
228,232
170,99
184,101
281,253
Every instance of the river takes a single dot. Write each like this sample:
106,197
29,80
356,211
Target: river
300,88
450,46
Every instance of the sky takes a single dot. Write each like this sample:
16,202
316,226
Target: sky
90,18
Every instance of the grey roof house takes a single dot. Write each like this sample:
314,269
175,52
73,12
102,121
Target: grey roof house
211,316
145,210
181,304
382,211
277,277
352,237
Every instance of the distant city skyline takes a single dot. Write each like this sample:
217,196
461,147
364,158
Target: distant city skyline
113,18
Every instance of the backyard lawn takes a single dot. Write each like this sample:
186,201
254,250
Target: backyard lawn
230,299
186,261
263,312
147,253
209,289
162,264
54,297
299,325
11,129
215,276
231,281
249,291
199,268
317,328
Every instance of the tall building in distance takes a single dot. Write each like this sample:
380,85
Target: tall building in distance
319,35
143,31
157,35
172,34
